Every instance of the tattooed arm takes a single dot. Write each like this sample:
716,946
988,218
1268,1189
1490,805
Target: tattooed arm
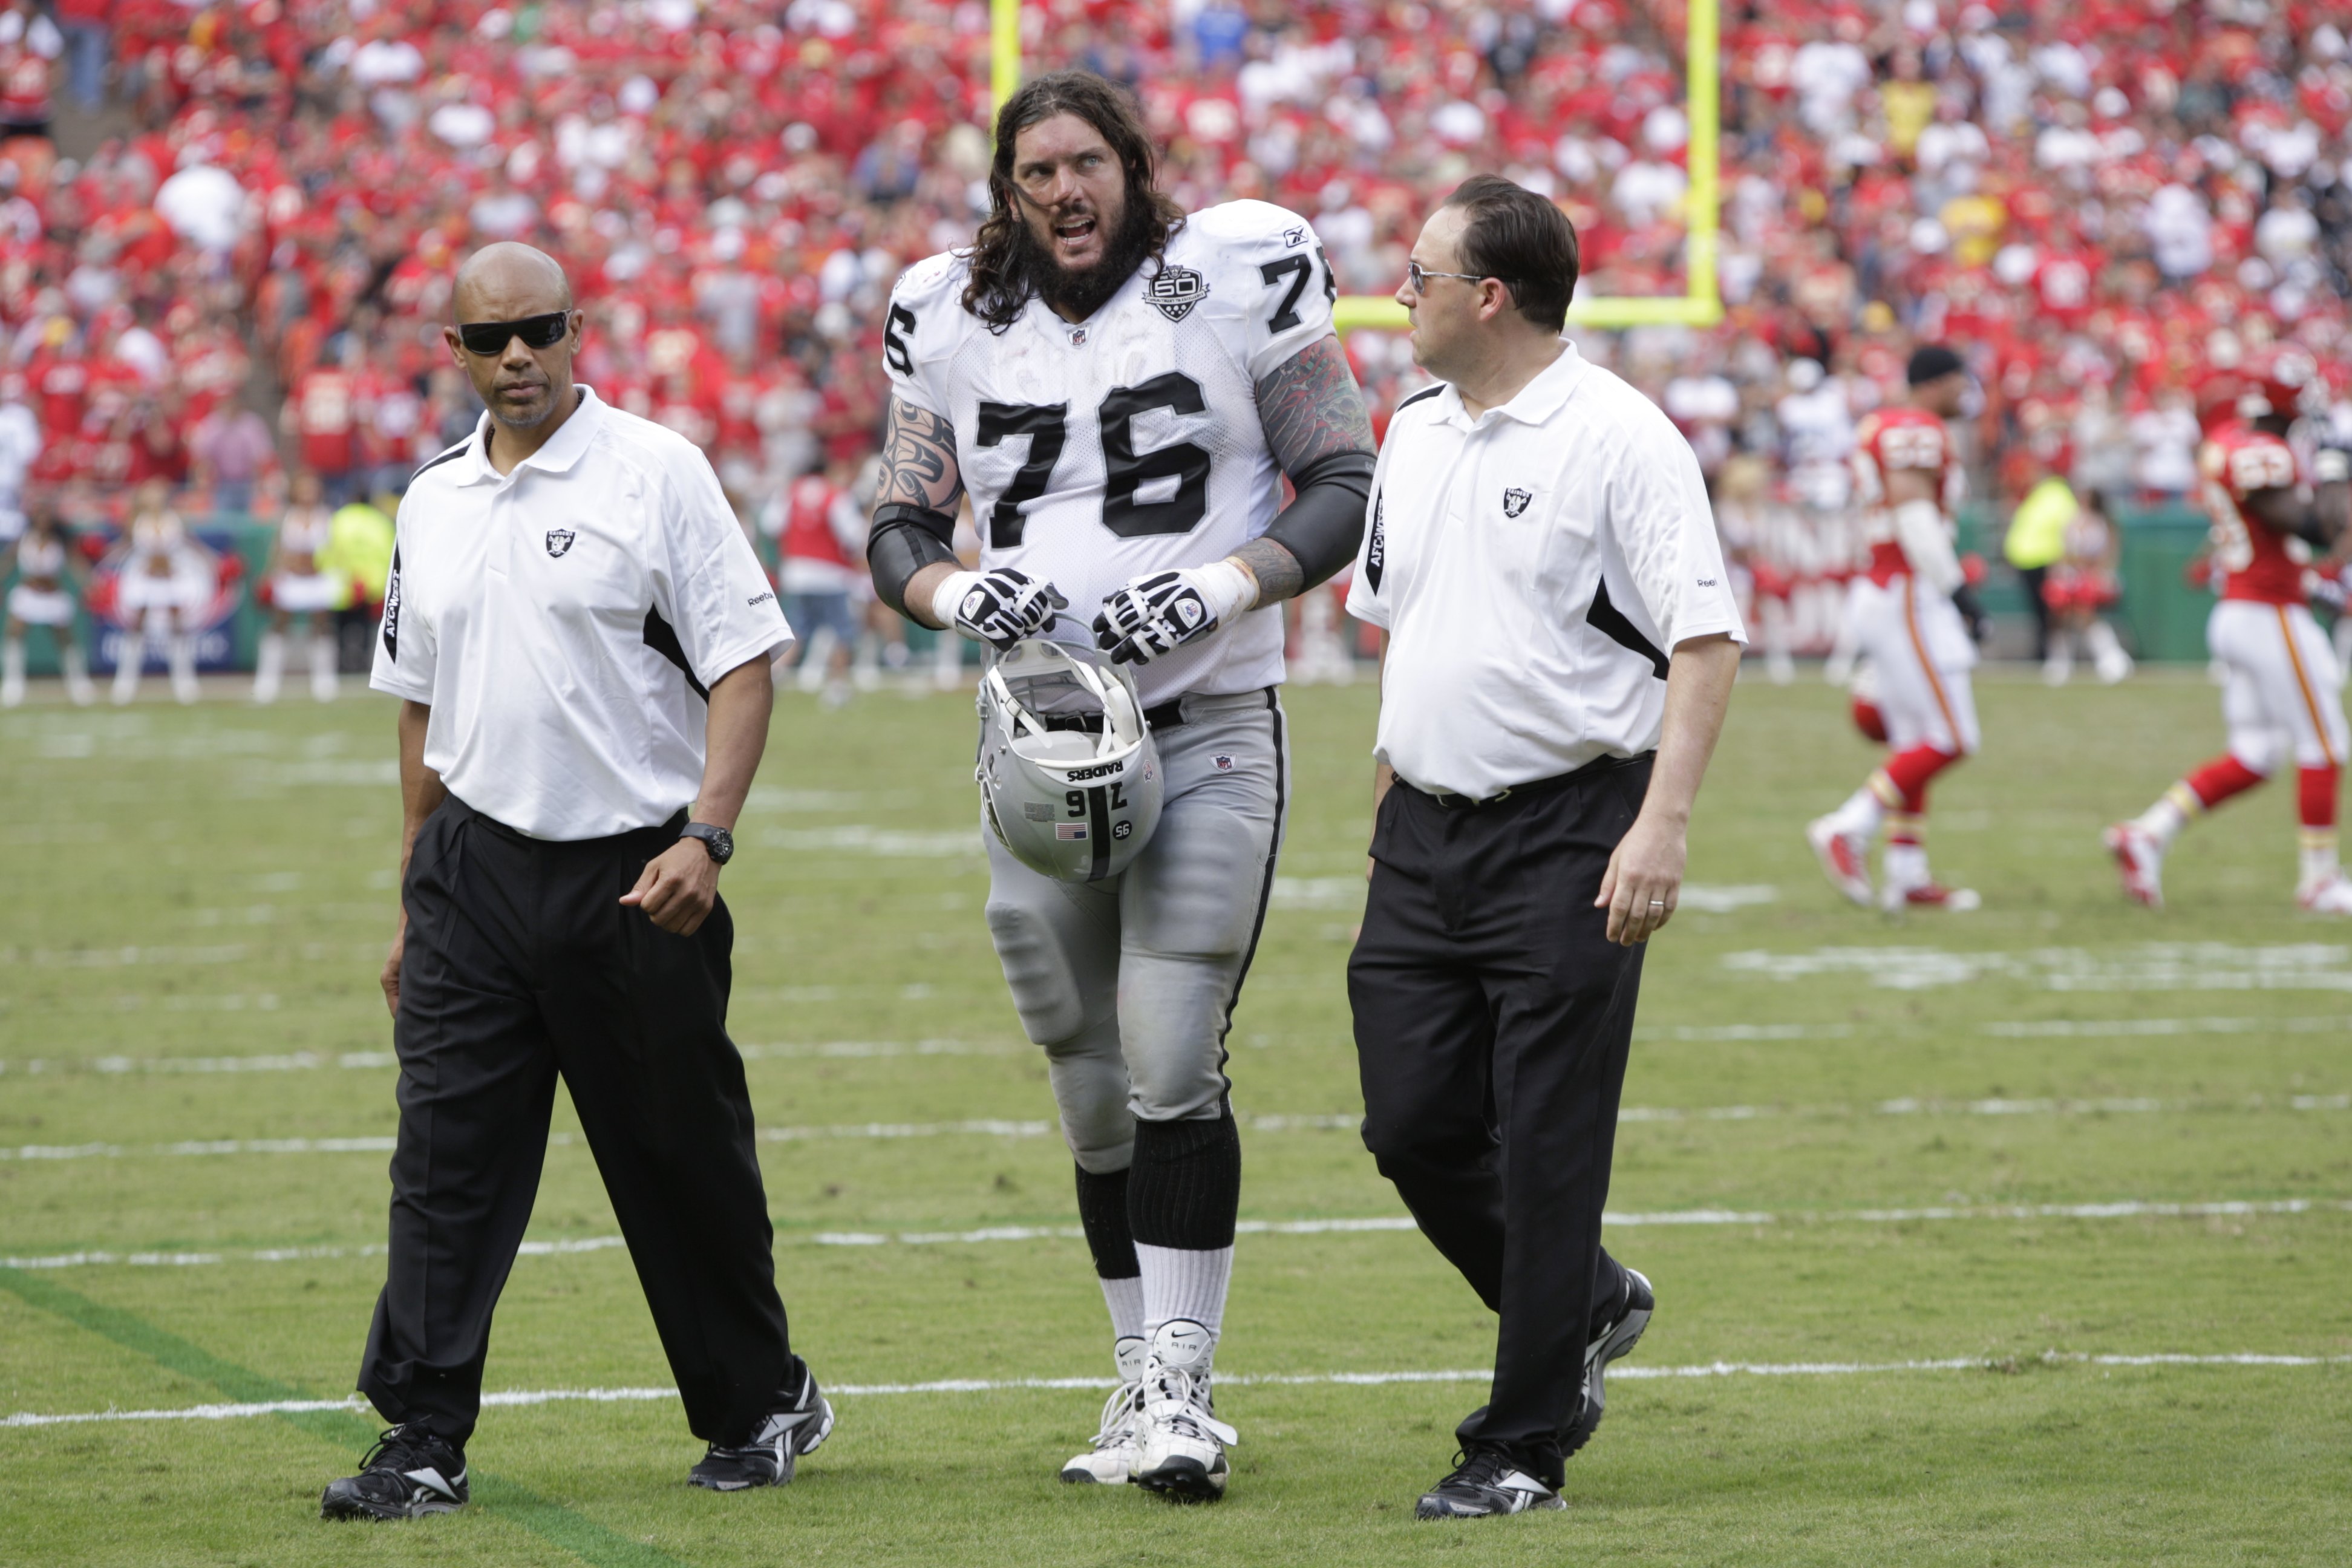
1318,431
911,546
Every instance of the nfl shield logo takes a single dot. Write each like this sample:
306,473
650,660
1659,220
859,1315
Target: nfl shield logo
1515,501
559,539
1223,763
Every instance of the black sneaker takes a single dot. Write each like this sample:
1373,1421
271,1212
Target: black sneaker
409,1473
1615,1341
1486,1480
768,1458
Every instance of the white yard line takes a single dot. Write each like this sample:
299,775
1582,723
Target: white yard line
1327,1121
789,1050
1279,1380
2128,1208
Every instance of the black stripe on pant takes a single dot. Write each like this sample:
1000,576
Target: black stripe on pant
520,965
1492,1018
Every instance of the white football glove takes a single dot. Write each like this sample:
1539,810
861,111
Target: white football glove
1162,610
999,606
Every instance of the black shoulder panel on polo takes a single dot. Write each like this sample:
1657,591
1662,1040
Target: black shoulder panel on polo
661,637
1609,621
1416,398
456,451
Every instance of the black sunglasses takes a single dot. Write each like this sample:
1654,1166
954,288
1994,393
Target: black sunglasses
487,338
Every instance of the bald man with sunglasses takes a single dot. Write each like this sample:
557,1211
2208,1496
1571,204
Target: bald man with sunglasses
579,636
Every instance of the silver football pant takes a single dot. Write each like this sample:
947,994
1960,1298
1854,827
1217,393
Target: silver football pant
1129,983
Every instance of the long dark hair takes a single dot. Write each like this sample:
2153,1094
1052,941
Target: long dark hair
1003,257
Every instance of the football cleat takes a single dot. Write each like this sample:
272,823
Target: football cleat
1180,1444
409,1473
2140,861
1844,857
1613,1343
1486,1480
2332,897
1111,1460
768,1459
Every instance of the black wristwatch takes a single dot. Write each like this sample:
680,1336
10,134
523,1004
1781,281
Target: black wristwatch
717,841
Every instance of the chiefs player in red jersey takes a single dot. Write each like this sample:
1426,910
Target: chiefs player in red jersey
2283,683
1914,619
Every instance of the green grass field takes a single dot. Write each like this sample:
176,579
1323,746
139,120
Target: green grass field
1850,1145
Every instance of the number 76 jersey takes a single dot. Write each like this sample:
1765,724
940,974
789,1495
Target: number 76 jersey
1128,443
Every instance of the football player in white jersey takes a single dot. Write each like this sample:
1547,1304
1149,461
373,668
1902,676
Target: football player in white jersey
1122,389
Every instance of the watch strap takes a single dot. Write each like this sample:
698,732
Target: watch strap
715,840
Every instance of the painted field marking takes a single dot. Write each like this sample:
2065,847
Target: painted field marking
338,1423
2128,1208
524,1397
1321,1122
792,1050
2143,966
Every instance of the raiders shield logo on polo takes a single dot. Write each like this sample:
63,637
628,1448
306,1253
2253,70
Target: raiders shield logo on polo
1515,501
559,539
1175,292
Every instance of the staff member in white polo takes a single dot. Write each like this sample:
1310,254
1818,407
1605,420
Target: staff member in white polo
1561,644
581,637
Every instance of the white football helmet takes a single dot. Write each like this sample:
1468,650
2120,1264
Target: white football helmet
1068,777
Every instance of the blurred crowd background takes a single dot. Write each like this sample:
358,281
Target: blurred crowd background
227,228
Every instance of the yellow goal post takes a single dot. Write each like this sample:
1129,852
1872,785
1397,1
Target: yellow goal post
1701,302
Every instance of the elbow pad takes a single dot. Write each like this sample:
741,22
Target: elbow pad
904,539
1325,522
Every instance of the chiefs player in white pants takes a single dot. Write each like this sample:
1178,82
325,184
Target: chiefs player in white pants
2284,690
1911,617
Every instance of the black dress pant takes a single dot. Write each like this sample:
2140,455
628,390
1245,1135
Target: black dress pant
1492,1018
520,965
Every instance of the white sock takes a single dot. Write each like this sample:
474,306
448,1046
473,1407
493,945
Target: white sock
1180,1282
1125,1299
12,673
1861,812
323,666
2163,820
129,655
76,668
2318,858
269,666
183,654
1906,865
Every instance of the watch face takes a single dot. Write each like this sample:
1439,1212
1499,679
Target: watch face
722,844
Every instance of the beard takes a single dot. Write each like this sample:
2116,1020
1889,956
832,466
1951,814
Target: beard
1083,292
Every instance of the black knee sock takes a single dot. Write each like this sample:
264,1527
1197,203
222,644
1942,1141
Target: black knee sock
1102,1210
1186,1184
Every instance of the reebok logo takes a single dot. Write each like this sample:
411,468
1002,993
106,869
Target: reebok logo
762,599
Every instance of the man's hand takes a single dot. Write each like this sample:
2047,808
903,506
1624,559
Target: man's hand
678,888
1644,881
999,607
390,978
1161,611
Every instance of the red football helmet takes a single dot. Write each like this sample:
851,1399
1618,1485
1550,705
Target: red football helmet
2278,380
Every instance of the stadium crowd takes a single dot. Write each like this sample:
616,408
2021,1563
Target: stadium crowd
2100,201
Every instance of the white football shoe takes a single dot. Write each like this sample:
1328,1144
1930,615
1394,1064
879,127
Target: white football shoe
2332,897
1844,856
2140,859
1110,1462
1180,1444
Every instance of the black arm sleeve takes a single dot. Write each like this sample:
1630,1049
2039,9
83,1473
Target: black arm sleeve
1324,521
903,541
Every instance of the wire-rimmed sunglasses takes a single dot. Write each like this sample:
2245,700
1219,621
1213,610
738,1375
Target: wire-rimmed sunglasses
1418,277
487,338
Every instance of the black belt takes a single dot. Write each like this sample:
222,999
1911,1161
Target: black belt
1531,790
1167,716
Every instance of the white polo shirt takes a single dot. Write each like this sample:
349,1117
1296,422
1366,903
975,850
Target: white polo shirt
567,620
1534,567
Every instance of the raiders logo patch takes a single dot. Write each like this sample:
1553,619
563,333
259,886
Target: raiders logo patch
1515,501
559,542
1175,292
